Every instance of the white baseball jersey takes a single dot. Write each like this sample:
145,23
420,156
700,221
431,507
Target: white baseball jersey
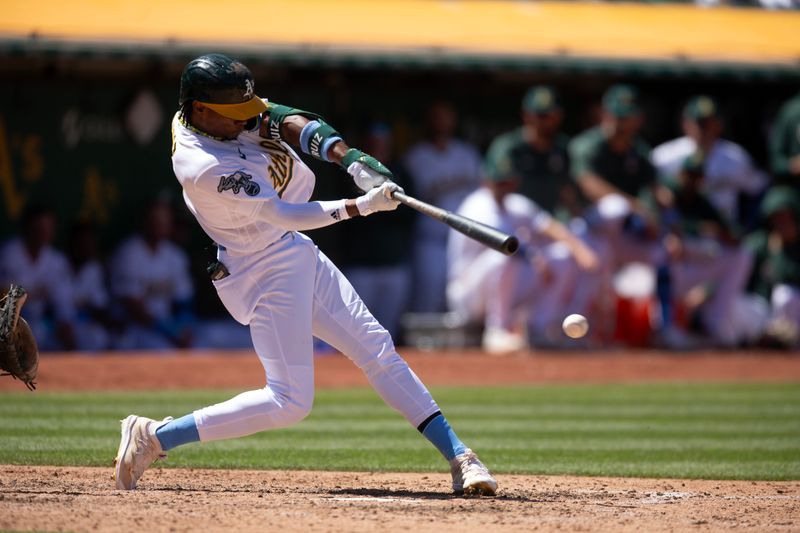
157,277
728,167
46,278
89,288
281,285
517,216
485,284
89,293
443,178
225,183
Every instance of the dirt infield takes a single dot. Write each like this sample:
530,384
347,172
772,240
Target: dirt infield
175,500
81,499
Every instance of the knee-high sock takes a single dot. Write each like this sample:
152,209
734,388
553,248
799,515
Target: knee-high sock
177,432
438,431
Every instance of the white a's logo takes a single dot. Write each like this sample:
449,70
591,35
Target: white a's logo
248,92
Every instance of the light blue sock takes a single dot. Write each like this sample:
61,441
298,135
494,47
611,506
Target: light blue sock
438,431
177,432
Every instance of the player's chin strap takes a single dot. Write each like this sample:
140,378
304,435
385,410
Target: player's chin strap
316,137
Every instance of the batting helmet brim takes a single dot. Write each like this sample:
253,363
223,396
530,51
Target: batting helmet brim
243,111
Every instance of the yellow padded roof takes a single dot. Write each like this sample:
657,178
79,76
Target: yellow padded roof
508,28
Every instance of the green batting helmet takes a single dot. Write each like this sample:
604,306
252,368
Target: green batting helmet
223,84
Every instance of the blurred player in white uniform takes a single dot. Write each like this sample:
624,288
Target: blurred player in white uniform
249,191
776,275
533,289
32,262
709,268
150,279
729,170
444,170
89,292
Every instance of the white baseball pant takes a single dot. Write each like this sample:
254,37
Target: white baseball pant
727,270
785,303
287,293
497,289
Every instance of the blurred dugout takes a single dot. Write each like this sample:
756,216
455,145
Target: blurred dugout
99,147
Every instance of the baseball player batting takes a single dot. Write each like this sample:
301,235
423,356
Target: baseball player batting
234,155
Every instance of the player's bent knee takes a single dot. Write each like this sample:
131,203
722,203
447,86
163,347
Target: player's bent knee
296,406
294,413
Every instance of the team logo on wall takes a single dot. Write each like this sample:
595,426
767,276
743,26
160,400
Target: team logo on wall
238,181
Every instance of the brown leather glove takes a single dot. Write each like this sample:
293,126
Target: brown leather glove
19,355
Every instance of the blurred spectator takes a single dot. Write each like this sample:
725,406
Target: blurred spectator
443,170
32,262
766,4
522,297
150,279
778,4
538,154
612,166
376,251
784,144
611,158
688,211
776,275
90,295
709,269
730,176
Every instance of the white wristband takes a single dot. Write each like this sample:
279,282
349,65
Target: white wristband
362,203
339,211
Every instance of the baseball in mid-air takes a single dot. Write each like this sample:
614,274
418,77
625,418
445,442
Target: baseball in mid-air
575,326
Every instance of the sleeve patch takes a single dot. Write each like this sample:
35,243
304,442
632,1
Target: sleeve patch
238,181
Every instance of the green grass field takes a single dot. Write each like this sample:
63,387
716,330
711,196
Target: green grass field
670,430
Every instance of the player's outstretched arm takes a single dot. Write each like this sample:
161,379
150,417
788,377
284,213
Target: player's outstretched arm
312,215
583,255
315,137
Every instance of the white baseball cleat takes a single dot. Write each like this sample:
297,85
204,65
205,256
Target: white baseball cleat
138,448
470,475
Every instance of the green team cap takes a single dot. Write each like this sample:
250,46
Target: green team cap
540,99
780,198
621,101
694,163
700,107
499,169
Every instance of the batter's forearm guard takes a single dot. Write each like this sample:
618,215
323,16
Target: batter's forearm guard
354,155
317,136
316,139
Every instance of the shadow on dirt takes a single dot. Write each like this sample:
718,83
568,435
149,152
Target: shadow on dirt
427,495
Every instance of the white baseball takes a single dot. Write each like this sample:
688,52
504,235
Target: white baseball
575,326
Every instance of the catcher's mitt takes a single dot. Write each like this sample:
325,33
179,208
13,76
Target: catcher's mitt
19,355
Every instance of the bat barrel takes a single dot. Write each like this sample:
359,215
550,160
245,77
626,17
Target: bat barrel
491,237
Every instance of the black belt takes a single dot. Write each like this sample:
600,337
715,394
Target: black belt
216,269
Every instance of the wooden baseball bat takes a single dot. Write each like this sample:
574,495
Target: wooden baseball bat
491,237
